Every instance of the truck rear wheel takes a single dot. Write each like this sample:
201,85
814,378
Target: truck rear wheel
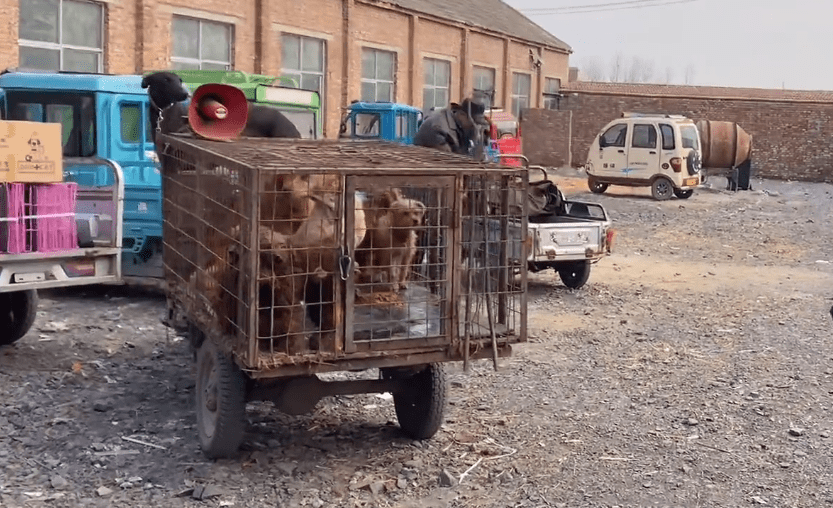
683,194
221,402
574,275
596,187
18,310
420,405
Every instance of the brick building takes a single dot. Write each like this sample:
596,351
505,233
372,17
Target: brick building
791,129
420,52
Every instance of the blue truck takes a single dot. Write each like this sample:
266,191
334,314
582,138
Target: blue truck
390,121
381,120
92,160
113,112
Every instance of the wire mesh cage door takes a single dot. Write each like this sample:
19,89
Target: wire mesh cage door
399,290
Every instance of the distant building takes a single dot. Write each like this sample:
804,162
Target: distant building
421,52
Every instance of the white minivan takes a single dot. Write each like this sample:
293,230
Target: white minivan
642,150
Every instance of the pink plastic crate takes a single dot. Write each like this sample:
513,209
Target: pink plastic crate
13,222
54,211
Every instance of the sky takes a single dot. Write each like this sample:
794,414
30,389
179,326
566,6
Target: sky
738,43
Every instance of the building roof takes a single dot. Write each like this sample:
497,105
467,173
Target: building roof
705,92
492,15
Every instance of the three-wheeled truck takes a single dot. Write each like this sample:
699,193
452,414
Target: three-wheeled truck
293,258
90,252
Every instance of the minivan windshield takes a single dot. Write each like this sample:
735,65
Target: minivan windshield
690,137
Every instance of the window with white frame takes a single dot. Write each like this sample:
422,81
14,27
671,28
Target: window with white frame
378,75
65,35
552,92
303,60
437,81
201,44
521,86
484,80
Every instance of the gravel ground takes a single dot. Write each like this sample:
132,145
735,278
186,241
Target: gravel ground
694,369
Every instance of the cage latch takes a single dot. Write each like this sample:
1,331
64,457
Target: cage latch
345,263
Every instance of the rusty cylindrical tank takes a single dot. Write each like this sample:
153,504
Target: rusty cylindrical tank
725,144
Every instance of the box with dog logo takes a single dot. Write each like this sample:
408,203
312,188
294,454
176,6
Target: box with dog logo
30,152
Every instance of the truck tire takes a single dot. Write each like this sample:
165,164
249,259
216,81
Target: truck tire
596,187
662,189
220,402
683,194
574,275
18,310
420,406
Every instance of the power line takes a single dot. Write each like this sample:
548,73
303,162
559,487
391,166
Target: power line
641,4
586,6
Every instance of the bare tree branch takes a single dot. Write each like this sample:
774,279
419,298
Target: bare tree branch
592,69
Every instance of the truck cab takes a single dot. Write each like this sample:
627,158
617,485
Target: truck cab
505,136
103,118
381,120
102,135
108,117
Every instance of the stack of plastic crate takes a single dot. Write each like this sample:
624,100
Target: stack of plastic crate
37,217
54,212
13,220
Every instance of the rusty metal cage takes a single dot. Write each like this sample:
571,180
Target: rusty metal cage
308,256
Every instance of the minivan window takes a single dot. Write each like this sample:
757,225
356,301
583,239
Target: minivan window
644,136
667,137
615,136
690,137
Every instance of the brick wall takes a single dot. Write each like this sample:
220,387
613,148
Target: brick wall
441,42
546,137
8,33
486,51
319,19
790,139
138,38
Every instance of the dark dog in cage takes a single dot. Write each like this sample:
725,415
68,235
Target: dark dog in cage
387,252
298,260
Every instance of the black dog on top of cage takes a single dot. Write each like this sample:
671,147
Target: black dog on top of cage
167,92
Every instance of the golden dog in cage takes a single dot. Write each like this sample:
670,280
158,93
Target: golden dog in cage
387,252
299,251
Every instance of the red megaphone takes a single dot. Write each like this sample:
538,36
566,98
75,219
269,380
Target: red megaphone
218,112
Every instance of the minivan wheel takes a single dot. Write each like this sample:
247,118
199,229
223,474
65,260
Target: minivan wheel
662,189
596,187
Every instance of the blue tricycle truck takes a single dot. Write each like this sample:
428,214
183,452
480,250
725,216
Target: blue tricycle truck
389,121
108,152
116,118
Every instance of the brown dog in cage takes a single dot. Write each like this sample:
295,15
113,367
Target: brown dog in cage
288,201
281,320
387,252
296,281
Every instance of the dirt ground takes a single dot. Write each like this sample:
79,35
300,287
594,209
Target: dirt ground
693,370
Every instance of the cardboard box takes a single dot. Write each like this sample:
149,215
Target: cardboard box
31,152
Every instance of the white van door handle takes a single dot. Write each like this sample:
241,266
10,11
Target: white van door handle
621,151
